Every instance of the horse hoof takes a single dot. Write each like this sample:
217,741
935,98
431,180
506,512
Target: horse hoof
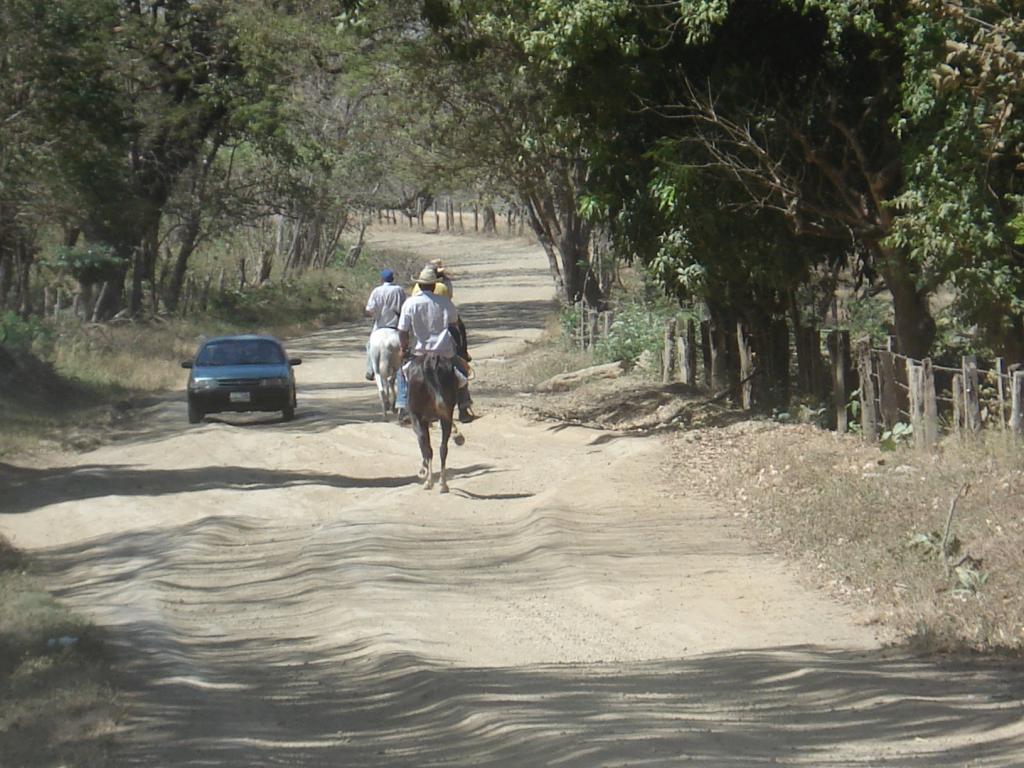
459,439
444,488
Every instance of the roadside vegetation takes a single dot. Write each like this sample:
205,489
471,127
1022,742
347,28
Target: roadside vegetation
61,377
58,705
928,547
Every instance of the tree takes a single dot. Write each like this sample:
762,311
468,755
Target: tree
960,215
54,112
491,105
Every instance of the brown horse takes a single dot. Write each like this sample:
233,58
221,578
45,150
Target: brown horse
433,392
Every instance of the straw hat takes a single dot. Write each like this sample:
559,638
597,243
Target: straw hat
428,275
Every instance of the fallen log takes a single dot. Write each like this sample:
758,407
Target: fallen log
563,381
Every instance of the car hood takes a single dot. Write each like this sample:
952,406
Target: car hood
239,371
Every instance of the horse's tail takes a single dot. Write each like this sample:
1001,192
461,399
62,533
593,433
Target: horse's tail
439,378
385,352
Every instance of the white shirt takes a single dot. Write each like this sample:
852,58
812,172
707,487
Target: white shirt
426,317
385,304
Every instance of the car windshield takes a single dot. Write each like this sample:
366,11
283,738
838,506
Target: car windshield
240,352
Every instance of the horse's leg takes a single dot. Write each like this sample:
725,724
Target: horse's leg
383,392
421,427
446,431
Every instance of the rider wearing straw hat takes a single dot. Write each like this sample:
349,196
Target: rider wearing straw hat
425,327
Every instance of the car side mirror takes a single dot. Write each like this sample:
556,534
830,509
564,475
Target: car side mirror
186,363
295,361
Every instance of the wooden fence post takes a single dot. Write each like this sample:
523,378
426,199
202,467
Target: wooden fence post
811,376
868,406
930,405
705,350
958,404
746,367
839,353
888,390
687,351
1001,392
719,371
668,352
1017,403
972,401
916,402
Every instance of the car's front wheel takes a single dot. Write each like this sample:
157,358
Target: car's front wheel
288,412
194,414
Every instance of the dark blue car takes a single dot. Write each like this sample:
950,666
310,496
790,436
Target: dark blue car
241,373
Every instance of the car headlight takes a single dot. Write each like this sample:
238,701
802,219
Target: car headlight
277,381
202,384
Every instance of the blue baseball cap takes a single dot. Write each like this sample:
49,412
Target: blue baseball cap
387,275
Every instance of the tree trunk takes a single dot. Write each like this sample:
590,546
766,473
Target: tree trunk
5,276
565,238
24,256
145,254
915,327
722,375
266,266
186,247
490,223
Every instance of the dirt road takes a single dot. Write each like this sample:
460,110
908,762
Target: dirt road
285,594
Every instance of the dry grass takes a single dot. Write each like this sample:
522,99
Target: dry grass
849,512
56,704
538,361
853,513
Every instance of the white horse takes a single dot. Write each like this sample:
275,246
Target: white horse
386,358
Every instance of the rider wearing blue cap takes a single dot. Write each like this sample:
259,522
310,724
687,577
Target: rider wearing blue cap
384,306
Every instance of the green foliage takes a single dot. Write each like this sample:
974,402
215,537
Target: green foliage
958,216
869,316
569,320
900,434
637,328
31,335
90,264
968,575
930,545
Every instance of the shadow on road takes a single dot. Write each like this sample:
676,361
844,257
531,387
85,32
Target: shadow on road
23,489
277,694
282,703
496,321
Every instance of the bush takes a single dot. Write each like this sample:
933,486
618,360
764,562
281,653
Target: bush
637,327
32,335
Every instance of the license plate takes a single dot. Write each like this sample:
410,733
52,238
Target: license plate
239,397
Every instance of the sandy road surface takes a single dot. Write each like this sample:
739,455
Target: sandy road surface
284,594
